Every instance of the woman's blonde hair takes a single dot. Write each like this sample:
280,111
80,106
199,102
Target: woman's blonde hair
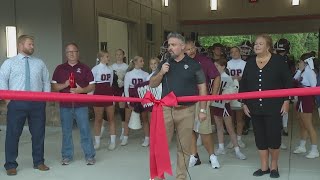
133,63
268,40
101,53
155,58
124,55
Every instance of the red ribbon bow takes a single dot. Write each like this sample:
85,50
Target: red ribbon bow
159,148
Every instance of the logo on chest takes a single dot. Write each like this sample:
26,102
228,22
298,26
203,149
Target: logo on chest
136,81
235,72
79,70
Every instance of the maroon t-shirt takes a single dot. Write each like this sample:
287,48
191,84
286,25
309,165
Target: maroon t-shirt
209,69
83,77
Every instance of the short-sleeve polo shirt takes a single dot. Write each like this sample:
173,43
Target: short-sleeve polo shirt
182,78
83,77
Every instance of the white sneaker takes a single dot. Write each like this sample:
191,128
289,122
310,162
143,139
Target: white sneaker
214,162
313,154
124,142
300,150
241,156
241,144
96,146
220,151
91,161
199,141
112,146
65,161
145,143
283,146
230,145
192,161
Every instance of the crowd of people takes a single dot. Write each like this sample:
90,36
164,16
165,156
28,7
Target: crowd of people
183,67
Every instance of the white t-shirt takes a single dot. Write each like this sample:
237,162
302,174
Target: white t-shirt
308,78
225,83
236,67
133,78
102,73
120,67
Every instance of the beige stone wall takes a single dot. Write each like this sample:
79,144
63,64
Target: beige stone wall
52,112
63,21
39,18
3,112
137,13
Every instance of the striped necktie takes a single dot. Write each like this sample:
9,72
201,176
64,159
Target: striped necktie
27,74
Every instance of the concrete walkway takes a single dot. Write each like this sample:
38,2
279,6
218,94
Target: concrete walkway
131,161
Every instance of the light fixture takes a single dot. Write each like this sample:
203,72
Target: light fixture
214,5
295,2
166,3
11,35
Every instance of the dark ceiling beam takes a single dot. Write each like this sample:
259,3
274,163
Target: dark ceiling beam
250,20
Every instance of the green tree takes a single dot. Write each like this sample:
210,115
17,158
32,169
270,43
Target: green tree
300,42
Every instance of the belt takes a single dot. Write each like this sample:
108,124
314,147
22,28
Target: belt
180,107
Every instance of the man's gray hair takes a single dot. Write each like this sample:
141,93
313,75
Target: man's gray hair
176,35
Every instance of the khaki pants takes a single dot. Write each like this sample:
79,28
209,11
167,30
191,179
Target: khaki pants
203,127
182,120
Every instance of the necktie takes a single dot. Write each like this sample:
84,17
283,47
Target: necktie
27,74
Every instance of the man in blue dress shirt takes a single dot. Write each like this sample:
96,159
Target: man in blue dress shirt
25,73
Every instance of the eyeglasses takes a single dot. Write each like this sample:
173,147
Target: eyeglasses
71,52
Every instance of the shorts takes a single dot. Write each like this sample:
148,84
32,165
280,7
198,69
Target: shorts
103,89
222,112
118,91
203,127
305,104
235,105
132,93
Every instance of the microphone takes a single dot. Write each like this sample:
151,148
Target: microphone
167,57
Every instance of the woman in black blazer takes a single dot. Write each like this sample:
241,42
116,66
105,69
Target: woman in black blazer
266,71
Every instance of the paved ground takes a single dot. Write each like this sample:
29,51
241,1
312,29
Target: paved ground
131,162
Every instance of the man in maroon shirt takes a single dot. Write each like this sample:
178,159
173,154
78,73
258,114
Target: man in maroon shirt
74,73
204,128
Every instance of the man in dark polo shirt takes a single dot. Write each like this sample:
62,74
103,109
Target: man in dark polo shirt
204,128
184,76
79,111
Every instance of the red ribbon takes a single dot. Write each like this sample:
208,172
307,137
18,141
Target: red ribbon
67,97
159,149
159,152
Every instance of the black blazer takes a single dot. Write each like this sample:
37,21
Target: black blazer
274,75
